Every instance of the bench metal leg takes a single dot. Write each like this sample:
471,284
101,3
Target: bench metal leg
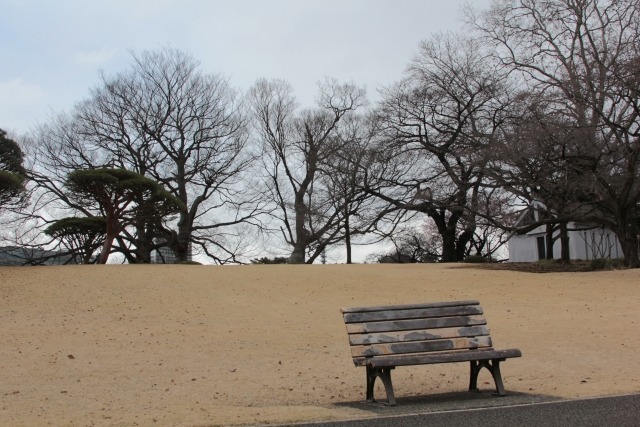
492,366
385,376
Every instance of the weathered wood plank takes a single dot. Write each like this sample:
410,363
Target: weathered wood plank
417,324
413,313
418,335
421,346
408,306
433,358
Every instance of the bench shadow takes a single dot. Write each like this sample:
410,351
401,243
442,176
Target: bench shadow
451,401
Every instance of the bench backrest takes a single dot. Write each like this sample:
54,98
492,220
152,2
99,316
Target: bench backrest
415,328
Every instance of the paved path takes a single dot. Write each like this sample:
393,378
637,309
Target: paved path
618,411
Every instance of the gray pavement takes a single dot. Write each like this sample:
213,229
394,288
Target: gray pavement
480,410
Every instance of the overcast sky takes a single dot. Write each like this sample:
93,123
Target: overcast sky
51,52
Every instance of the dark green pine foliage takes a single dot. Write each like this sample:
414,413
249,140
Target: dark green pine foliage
12,173
122,198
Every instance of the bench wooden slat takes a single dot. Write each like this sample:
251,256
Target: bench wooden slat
417,335
413,313
408,306
433,358
405,325
421,346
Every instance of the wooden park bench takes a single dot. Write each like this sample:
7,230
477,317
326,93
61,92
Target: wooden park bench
382,338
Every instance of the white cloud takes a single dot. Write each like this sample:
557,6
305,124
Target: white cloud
94,58
16,93
18,102
367,41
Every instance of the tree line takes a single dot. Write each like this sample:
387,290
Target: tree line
535,106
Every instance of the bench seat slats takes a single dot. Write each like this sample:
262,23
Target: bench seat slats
405,325
413,313
421,346
433,358
408,306
417,335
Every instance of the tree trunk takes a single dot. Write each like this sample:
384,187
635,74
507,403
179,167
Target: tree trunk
630,250
449,247
110,234
302,234
86,254
180,246
565,254
447,231
144,242
462,243
347,238
181,250
628,236
548,241
298,254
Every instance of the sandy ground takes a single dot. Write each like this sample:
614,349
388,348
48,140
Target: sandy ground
202,345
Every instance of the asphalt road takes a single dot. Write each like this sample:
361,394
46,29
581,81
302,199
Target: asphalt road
614,411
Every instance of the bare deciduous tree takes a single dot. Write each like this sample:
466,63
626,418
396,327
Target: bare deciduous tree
366,219
437,124
166,120
531,161
583,56
298,148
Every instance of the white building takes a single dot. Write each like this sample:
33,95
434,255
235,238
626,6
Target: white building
165,255
585,242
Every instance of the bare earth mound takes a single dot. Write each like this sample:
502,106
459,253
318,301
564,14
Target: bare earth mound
198,345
